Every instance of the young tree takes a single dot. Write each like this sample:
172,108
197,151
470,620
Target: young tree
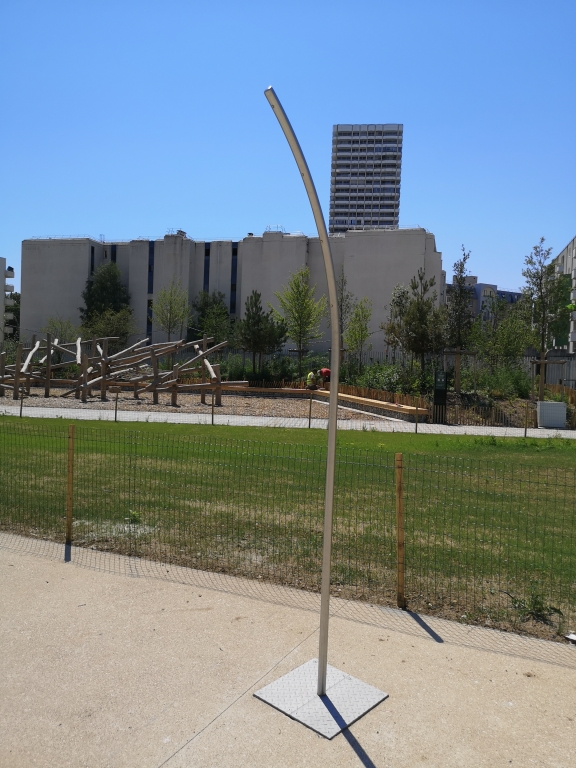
357,332
394,331
62,329
104,291
258,332
504,334
111,323
545,291
459,316
171,310
251,328
300,312
211,315
346,304
424,324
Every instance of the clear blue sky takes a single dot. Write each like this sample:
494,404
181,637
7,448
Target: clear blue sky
130,118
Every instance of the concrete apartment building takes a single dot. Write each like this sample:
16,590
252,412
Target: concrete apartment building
483,294
54,271
565,264
6,272
365,176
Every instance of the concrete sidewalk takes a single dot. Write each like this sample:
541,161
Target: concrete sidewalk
382,424
114,662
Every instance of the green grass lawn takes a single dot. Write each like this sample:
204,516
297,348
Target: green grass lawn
483,515
551,452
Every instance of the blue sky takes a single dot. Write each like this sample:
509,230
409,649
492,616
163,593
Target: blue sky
129,118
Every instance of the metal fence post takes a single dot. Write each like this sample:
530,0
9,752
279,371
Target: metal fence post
400,545
310,411
70,485
526,420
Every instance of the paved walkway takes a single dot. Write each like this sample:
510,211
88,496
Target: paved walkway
382,424
113,662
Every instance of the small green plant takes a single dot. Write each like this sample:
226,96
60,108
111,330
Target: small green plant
135,518
534,607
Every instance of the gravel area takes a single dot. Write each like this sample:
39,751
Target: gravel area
233,404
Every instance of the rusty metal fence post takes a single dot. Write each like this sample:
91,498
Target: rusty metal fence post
70,487
400,546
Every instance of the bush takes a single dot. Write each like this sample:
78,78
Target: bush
505,382
389,377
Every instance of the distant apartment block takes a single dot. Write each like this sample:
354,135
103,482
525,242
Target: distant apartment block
5,301
365,176
54,271
483,296
565,264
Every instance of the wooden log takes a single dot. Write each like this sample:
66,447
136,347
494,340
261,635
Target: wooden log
84,377
204,349
103,369
30,356
48,374
174,399
154,383
17,371
216,369
2,373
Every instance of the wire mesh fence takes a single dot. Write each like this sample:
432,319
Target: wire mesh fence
484,542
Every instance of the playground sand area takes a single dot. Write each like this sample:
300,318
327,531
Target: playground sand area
234,404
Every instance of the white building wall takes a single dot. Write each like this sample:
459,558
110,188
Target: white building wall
54,272
565,264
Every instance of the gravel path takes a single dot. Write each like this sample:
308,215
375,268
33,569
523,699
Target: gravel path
232,404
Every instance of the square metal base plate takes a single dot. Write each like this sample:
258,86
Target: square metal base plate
346,699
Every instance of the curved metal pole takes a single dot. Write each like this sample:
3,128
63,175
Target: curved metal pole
334,372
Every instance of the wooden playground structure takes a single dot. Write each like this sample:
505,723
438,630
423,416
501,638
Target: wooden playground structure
137,367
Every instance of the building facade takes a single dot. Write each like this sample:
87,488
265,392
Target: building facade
565,264
6,273
483,295
365,176
54,271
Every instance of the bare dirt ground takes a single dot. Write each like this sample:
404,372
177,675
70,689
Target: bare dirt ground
235,405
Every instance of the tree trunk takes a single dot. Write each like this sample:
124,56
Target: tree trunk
542,376
300,362
457,371
253,363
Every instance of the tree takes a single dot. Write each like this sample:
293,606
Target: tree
504,334
423,323
211,315
104,291
171,310
300,312
258,331
545,292
346,304
394,331
459,316
357,332
62,329
111,323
